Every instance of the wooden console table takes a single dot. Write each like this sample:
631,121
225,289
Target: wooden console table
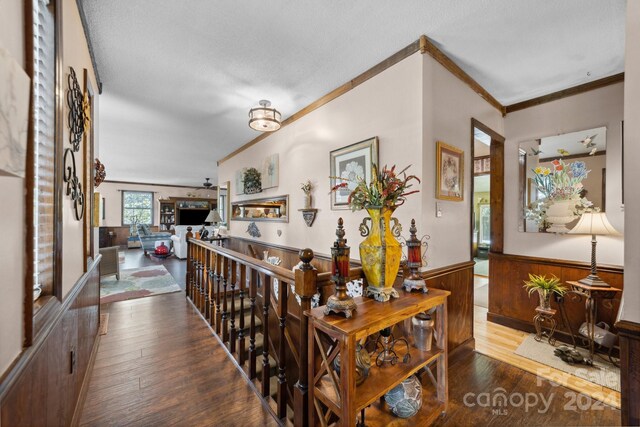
338,393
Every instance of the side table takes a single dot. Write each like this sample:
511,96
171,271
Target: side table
545,316
592,295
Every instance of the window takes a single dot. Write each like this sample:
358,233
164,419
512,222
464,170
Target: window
137,207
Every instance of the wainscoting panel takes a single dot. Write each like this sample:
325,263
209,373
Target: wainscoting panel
43,386
630,371
458,279
509,304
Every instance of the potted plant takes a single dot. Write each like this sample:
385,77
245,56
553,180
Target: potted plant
545,287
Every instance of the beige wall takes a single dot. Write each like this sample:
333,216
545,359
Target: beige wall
601,107
631,296
76,54
12,212
409,106
449,105
388,106
111,191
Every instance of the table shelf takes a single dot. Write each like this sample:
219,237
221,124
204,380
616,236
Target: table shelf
343,398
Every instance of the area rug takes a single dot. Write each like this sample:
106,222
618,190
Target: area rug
137,283
481,296
602,372
482,267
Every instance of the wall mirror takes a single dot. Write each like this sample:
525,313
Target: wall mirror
560,177
268,209
224,206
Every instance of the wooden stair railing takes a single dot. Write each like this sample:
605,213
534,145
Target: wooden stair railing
266,335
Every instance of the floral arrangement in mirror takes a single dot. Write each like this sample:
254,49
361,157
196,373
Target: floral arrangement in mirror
562,194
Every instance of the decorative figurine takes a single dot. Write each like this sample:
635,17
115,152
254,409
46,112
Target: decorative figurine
340,302
414,256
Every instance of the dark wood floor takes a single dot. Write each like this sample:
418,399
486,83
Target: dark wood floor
160,365
473,379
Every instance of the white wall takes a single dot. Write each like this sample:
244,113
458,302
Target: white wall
111,191
12,260
600,107
449,105
12,212
631,295
389,106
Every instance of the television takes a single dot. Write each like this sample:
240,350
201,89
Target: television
192,216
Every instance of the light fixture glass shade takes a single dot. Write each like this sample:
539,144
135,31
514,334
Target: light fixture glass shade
263,118
594,223
213,216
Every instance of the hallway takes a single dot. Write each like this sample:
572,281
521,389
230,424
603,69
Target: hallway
160,365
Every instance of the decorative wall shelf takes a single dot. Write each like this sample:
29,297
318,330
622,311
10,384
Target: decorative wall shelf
309,215
275,209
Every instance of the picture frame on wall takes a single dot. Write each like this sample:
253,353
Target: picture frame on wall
351,162
449,172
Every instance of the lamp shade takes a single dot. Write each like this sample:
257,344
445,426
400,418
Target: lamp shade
213,216
263,118
594,223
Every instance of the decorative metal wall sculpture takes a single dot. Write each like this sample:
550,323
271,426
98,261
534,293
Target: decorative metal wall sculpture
100,173
253,230
76,130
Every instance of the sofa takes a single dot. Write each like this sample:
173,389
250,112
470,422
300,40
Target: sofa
179,239
148,239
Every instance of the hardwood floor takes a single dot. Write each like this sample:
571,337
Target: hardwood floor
500,342
477,382
160,365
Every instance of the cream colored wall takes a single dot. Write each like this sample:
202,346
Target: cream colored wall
388,105
12,212
631,297
449,105
600,107
75,53
111,191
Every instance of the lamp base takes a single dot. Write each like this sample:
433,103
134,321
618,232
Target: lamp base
595,281
410,284
340,306
381,294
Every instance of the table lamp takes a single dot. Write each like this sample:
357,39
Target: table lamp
594,223
213,217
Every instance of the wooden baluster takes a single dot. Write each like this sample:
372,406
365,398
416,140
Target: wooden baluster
218,316
201,283
232,329
253,292
212,291
207,284
196,279
241,335
225,312
283,295
306,287
188,282
266,294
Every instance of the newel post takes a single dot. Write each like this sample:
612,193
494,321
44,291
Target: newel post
189,264
306,288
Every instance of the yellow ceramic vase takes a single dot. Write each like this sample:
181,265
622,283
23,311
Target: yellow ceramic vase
380,252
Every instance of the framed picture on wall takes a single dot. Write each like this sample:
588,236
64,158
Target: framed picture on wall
351,163
449,172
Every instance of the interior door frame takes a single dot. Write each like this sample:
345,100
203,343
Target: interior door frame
496,198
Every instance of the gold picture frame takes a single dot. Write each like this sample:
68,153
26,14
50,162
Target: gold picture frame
449,172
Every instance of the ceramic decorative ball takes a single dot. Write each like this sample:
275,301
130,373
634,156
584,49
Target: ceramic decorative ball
162,249
405,399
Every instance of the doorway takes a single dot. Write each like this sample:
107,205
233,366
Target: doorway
481,236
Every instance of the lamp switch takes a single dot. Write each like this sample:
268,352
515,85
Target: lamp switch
438,210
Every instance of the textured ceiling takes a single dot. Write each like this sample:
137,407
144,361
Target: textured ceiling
180,76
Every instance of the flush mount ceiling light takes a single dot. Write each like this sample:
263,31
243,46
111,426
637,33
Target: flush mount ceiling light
263,118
